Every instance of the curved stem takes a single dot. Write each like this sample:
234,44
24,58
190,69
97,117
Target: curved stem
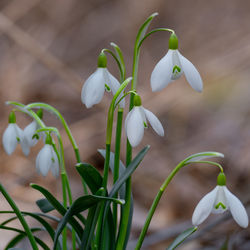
64,123
20,217
117,61
159,195
153,31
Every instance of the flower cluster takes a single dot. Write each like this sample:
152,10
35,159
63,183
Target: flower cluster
27,138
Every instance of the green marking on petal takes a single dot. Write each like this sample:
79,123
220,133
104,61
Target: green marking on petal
35,136
107,87
53,159
176,69
18,139
220,204
145,125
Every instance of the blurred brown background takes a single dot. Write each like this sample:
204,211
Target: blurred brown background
47,50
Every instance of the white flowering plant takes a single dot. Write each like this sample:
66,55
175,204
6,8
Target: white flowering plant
108,212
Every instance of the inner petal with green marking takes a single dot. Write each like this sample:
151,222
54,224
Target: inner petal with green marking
220,204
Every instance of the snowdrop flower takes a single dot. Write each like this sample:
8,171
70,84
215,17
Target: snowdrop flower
94,87
172,66
219,200
12,136
47,159
136,121
29,132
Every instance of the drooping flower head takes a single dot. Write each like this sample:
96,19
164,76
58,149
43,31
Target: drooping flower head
219,200
47,159
29,131
136,121
172,66
12,136
94,87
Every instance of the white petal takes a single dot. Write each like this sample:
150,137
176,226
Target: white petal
10,138
25,146
191,73
237,209
29,131
161,75
55,164
93,88
43,160
154,121
134,126
114,84
204,207
220,199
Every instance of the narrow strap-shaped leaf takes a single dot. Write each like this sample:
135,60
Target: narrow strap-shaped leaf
122,168
202,156
79,205
39,241
90,175
121,60
143,29
180,238
129,170
44,205
93,214
127,173
59,207
122,190
46,225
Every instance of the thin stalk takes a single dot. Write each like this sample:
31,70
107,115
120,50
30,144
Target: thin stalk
159,195
117,158
20,217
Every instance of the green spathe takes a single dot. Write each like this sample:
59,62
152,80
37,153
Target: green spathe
221,179
173,41
12,117
102,60
137,100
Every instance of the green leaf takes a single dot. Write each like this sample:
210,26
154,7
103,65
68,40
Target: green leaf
120,58
129,171
202,156
90,175
143,29
15,240
122,179
182,237
122,190
78,206
122,168
59,207
44,205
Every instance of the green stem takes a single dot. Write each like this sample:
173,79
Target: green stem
159,195
20,217
117,158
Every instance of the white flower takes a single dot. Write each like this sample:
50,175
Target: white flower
94,87
219,200
47,160
29,132
171,67
13,135
136,122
